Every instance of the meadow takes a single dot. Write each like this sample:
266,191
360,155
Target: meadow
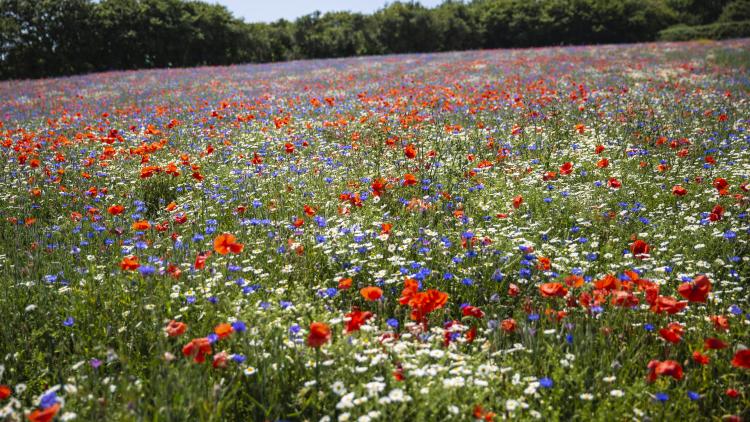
533,234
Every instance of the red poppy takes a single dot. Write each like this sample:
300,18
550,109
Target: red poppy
371,293
741,359
411,287
713,343
517,201
378,186
197,349
220,360
603,163
175,328
543,263
721,322
289,148
700,358
480,414
668,304
115,209
129,263
552,290
624,299
200,260
721,185
599,149
614,183
472,311
566,168
409,180
424,303
320,333
309,211
732,393
508,325
679,190
667,368
44,415
141,225
696,290
226,243
355,319
550,175
5,392
673,333
410,151
223,330
716,213
345,283
639,248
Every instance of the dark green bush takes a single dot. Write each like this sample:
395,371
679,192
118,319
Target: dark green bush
714,31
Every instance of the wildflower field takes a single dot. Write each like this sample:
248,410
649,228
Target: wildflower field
548,234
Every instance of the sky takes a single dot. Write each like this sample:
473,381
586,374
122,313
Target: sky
272,10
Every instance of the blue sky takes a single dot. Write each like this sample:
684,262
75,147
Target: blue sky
271,10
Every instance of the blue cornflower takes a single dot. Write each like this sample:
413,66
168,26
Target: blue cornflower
146,270
48,400
661,397
239,326
546,382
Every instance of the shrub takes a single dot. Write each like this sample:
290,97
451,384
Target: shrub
714,31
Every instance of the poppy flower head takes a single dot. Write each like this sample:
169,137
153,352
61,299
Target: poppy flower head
700,358
115,209
355,319
223,330
668,304
713,343
44,415
175,328
345,283
410,151
741,359
141,225
472,311
639,248
721,185
371,293
696,290
678,190
5,392
226,243
320,334
129,263
552,290
197,349
667,368
508,325
409,180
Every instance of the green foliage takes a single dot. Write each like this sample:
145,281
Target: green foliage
51,38
715,31
738,10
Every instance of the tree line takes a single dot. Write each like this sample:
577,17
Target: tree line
40,38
